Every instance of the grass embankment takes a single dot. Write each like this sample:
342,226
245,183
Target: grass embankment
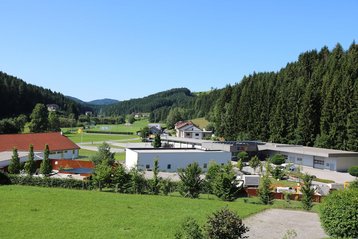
34,212
200,122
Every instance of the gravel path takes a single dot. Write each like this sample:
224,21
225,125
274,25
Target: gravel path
274,223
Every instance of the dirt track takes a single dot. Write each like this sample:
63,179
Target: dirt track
274,223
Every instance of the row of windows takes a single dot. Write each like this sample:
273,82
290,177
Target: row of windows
169,166
320,162
61,152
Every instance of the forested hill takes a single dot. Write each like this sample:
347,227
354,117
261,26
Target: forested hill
18,97
313,101
159,101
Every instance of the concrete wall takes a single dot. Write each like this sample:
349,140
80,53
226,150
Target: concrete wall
172,161
343,164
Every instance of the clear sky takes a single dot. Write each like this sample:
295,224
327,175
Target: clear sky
128,49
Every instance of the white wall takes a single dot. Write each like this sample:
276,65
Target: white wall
343,164
65,154
176,160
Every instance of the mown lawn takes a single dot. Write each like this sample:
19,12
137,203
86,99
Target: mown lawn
35,212
136,126
87,137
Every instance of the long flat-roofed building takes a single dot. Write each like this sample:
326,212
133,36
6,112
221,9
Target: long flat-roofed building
170,160
335,160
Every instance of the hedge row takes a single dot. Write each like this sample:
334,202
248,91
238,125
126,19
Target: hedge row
50,182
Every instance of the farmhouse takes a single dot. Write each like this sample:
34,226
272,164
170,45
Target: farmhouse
60,146
186,129
170,160
330,159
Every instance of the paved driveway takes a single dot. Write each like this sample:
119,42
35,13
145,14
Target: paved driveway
274,224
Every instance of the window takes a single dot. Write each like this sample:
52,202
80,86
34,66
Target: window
73,151
196,134
187,134
65,151
299,159
205,165
169,166
320,162
147,166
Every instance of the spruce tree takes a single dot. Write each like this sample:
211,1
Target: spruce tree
14,166
157,141
30,165
45,167
156,180
307,192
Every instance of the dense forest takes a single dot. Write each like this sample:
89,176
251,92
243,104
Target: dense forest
18,97
162,101
313,102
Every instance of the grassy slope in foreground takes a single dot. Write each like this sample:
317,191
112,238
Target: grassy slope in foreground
34,212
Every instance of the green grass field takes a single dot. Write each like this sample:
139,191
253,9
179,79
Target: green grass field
35,212
136,126
86,137
85,154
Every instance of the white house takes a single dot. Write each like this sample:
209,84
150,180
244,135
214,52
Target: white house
330,159
60,146
170,160
187,129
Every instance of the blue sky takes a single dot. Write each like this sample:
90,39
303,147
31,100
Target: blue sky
129,49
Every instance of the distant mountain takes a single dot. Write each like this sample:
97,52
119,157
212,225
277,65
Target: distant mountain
104,101
177,97
76,100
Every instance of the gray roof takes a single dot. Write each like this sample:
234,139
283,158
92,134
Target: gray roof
299,149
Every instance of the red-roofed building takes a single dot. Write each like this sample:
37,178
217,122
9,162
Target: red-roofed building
60,146
186,129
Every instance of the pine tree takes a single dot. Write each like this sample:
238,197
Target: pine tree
14,166
307,192
157,141
45,167
30,165
39,119
156,180
264,191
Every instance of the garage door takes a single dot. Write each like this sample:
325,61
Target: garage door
318,163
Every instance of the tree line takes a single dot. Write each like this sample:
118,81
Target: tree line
19,97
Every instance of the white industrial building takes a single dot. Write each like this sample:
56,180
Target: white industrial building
330,159
170,160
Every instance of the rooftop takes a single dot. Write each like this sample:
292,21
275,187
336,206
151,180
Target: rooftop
171,150
55,141
299,149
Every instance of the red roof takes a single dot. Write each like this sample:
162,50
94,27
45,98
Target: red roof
181,124
56,142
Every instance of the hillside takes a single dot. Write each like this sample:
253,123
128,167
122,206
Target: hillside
104,101
165,99
312,101
18,97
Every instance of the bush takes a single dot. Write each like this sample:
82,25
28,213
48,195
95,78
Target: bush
50,182
277,159
353,171
4,179
339,212
264,192
190,229
225,224
354,184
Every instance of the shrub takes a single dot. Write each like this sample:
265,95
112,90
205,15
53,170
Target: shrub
225,224
50,182
353,171
353,184
4,179
339,212
190,229
277,159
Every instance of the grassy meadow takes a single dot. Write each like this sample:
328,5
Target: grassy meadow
136,126
87,137
35,212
